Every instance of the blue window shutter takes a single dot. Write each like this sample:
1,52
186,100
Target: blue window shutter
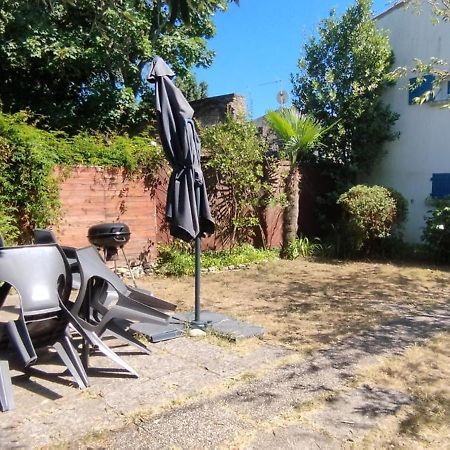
448,87
416,91
440,185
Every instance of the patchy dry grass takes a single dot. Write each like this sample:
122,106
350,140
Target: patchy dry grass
423,372
306,304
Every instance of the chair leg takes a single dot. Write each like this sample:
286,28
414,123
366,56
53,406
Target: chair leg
148,299
20,339
6,393
95,340
69,355
139,307
126,336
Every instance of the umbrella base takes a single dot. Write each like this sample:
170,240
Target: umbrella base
200,324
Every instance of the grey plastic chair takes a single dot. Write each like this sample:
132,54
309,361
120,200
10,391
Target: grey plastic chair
6,394
97,268
101,290
104,303
41,276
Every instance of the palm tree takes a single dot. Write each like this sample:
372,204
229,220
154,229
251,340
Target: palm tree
299,134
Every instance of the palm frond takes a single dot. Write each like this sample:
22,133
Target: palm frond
282,127
300,133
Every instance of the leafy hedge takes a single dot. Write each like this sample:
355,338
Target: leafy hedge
29,194
177,259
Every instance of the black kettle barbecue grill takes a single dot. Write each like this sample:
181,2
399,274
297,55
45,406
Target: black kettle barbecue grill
110,237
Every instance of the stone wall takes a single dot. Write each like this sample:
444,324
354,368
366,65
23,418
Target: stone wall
212,110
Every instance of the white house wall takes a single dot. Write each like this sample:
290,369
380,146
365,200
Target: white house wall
424,144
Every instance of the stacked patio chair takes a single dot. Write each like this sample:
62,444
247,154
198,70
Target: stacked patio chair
42,278
104,302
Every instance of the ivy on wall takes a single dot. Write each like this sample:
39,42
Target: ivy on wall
29,193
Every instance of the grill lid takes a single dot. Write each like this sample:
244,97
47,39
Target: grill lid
109,235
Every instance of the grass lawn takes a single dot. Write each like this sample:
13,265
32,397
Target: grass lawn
306,305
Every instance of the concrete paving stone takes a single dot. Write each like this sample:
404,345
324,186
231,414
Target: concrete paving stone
227,326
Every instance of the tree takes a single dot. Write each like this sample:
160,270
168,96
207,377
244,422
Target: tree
342,75
79,63
235,159
299,134
191,89
438,68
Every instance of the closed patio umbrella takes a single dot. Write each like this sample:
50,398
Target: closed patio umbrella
187,207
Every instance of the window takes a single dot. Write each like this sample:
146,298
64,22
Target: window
440,185
416,90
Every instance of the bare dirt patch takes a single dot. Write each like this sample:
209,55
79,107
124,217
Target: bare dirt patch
306,304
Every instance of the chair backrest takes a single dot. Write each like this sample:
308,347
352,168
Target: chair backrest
93,266
40,274
42,236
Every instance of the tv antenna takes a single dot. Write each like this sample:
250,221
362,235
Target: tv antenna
282,97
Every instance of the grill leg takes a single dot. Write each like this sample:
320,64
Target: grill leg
129,268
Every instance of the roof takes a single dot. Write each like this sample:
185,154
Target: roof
398,4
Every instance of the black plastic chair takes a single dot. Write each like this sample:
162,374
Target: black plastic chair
6,394
42,278
114,311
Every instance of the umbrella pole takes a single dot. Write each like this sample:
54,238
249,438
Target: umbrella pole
197,322
198,253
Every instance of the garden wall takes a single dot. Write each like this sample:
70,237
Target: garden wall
91,195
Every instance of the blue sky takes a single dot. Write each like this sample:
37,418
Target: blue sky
258,44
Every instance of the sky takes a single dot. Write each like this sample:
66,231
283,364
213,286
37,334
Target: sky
258,44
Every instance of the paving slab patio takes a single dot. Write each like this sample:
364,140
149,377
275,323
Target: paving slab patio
50,408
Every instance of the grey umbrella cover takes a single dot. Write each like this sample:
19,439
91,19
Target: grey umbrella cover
187,219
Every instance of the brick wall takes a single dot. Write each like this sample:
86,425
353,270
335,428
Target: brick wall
91,195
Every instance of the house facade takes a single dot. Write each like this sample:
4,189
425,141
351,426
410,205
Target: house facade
418,163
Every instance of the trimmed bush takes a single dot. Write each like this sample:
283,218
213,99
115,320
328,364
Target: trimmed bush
370,214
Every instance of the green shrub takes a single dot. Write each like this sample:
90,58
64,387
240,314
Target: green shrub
177,259
436,234
303,247
235,156
370,214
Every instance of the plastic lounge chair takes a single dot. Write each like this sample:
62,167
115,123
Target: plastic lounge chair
44,318
103,298
95,267
113,310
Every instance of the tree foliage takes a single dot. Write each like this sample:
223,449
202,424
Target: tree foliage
79,63
235,156
342,75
